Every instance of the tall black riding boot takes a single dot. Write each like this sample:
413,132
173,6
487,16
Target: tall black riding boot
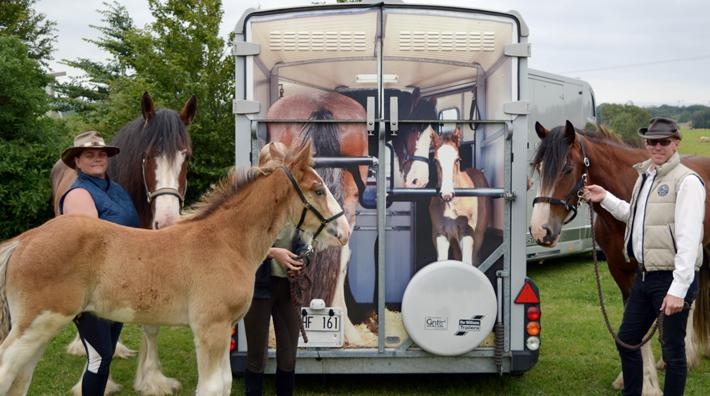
253,383
285,382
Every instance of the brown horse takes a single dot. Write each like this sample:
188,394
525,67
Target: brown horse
330,139
461,220
198,272
566,154
152,167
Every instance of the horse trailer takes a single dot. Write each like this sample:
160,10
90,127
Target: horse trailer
427,283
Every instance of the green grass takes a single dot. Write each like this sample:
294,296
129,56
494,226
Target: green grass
577,356
691,143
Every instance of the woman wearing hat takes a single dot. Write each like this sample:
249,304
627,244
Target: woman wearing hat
664,233
94,194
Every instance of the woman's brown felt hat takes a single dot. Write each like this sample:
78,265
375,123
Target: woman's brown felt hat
83,141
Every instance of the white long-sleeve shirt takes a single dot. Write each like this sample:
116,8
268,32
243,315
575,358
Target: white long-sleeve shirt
689,215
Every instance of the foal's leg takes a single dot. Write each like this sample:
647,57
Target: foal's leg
149,377
467,249
211,346
23,347
442,248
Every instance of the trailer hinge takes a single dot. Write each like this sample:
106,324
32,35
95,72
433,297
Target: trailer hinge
245,107
503,274
520,107
243,48
520,50
508,196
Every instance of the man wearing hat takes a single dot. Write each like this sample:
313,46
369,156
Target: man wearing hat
93,194
664,233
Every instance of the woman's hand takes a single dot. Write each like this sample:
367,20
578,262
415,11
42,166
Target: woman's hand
287,259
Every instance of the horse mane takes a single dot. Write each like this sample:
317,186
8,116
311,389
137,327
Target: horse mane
230,185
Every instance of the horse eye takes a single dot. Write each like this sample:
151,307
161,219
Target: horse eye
320,191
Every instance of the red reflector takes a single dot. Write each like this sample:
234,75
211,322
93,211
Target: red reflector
527,295
533,312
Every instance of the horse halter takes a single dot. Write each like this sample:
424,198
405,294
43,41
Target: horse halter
576,191
151,195
307,206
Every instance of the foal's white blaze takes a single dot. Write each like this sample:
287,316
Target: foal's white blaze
447,155
540,217
418,175
167,176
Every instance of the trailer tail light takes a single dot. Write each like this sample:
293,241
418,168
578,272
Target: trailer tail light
529,297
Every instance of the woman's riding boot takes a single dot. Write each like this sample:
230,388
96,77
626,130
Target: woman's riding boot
285,382
253,383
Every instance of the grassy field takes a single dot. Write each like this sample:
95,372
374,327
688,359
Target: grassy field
577,356
691,143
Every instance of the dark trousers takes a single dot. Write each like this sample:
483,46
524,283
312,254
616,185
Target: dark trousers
99,338
256,325
642,308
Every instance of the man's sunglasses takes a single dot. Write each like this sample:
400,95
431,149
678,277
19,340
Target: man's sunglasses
662,142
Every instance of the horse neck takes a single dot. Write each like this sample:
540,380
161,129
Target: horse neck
611,166
247,221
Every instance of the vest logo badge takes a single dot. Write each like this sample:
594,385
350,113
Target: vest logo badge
663,190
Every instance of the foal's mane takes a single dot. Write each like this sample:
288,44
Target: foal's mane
226,189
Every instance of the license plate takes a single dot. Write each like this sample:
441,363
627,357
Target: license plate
317,322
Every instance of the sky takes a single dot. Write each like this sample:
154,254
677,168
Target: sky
644,52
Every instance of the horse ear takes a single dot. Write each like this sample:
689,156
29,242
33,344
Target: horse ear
187,114
570,132
541,131
304,155
147,106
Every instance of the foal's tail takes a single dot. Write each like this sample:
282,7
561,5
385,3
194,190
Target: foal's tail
701,319
6,250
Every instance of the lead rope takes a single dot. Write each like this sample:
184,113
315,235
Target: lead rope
298,283
658,324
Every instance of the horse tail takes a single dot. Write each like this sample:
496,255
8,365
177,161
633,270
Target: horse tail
6,251
701,319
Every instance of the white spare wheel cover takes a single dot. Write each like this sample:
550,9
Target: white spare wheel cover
449,307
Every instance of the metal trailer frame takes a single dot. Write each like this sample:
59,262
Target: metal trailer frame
509,355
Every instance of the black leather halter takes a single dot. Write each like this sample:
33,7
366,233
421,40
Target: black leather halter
575,193
307,206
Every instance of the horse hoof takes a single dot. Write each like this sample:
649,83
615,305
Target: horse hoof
160,385
618,383
76,347
123,352
111,387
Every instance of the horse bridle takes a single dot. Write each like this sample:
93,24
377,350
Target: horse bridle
151,195
576,192
308,207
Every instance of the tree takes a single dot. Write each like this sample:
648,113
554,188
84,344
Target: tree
30,142
625,120
178,55
18,19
